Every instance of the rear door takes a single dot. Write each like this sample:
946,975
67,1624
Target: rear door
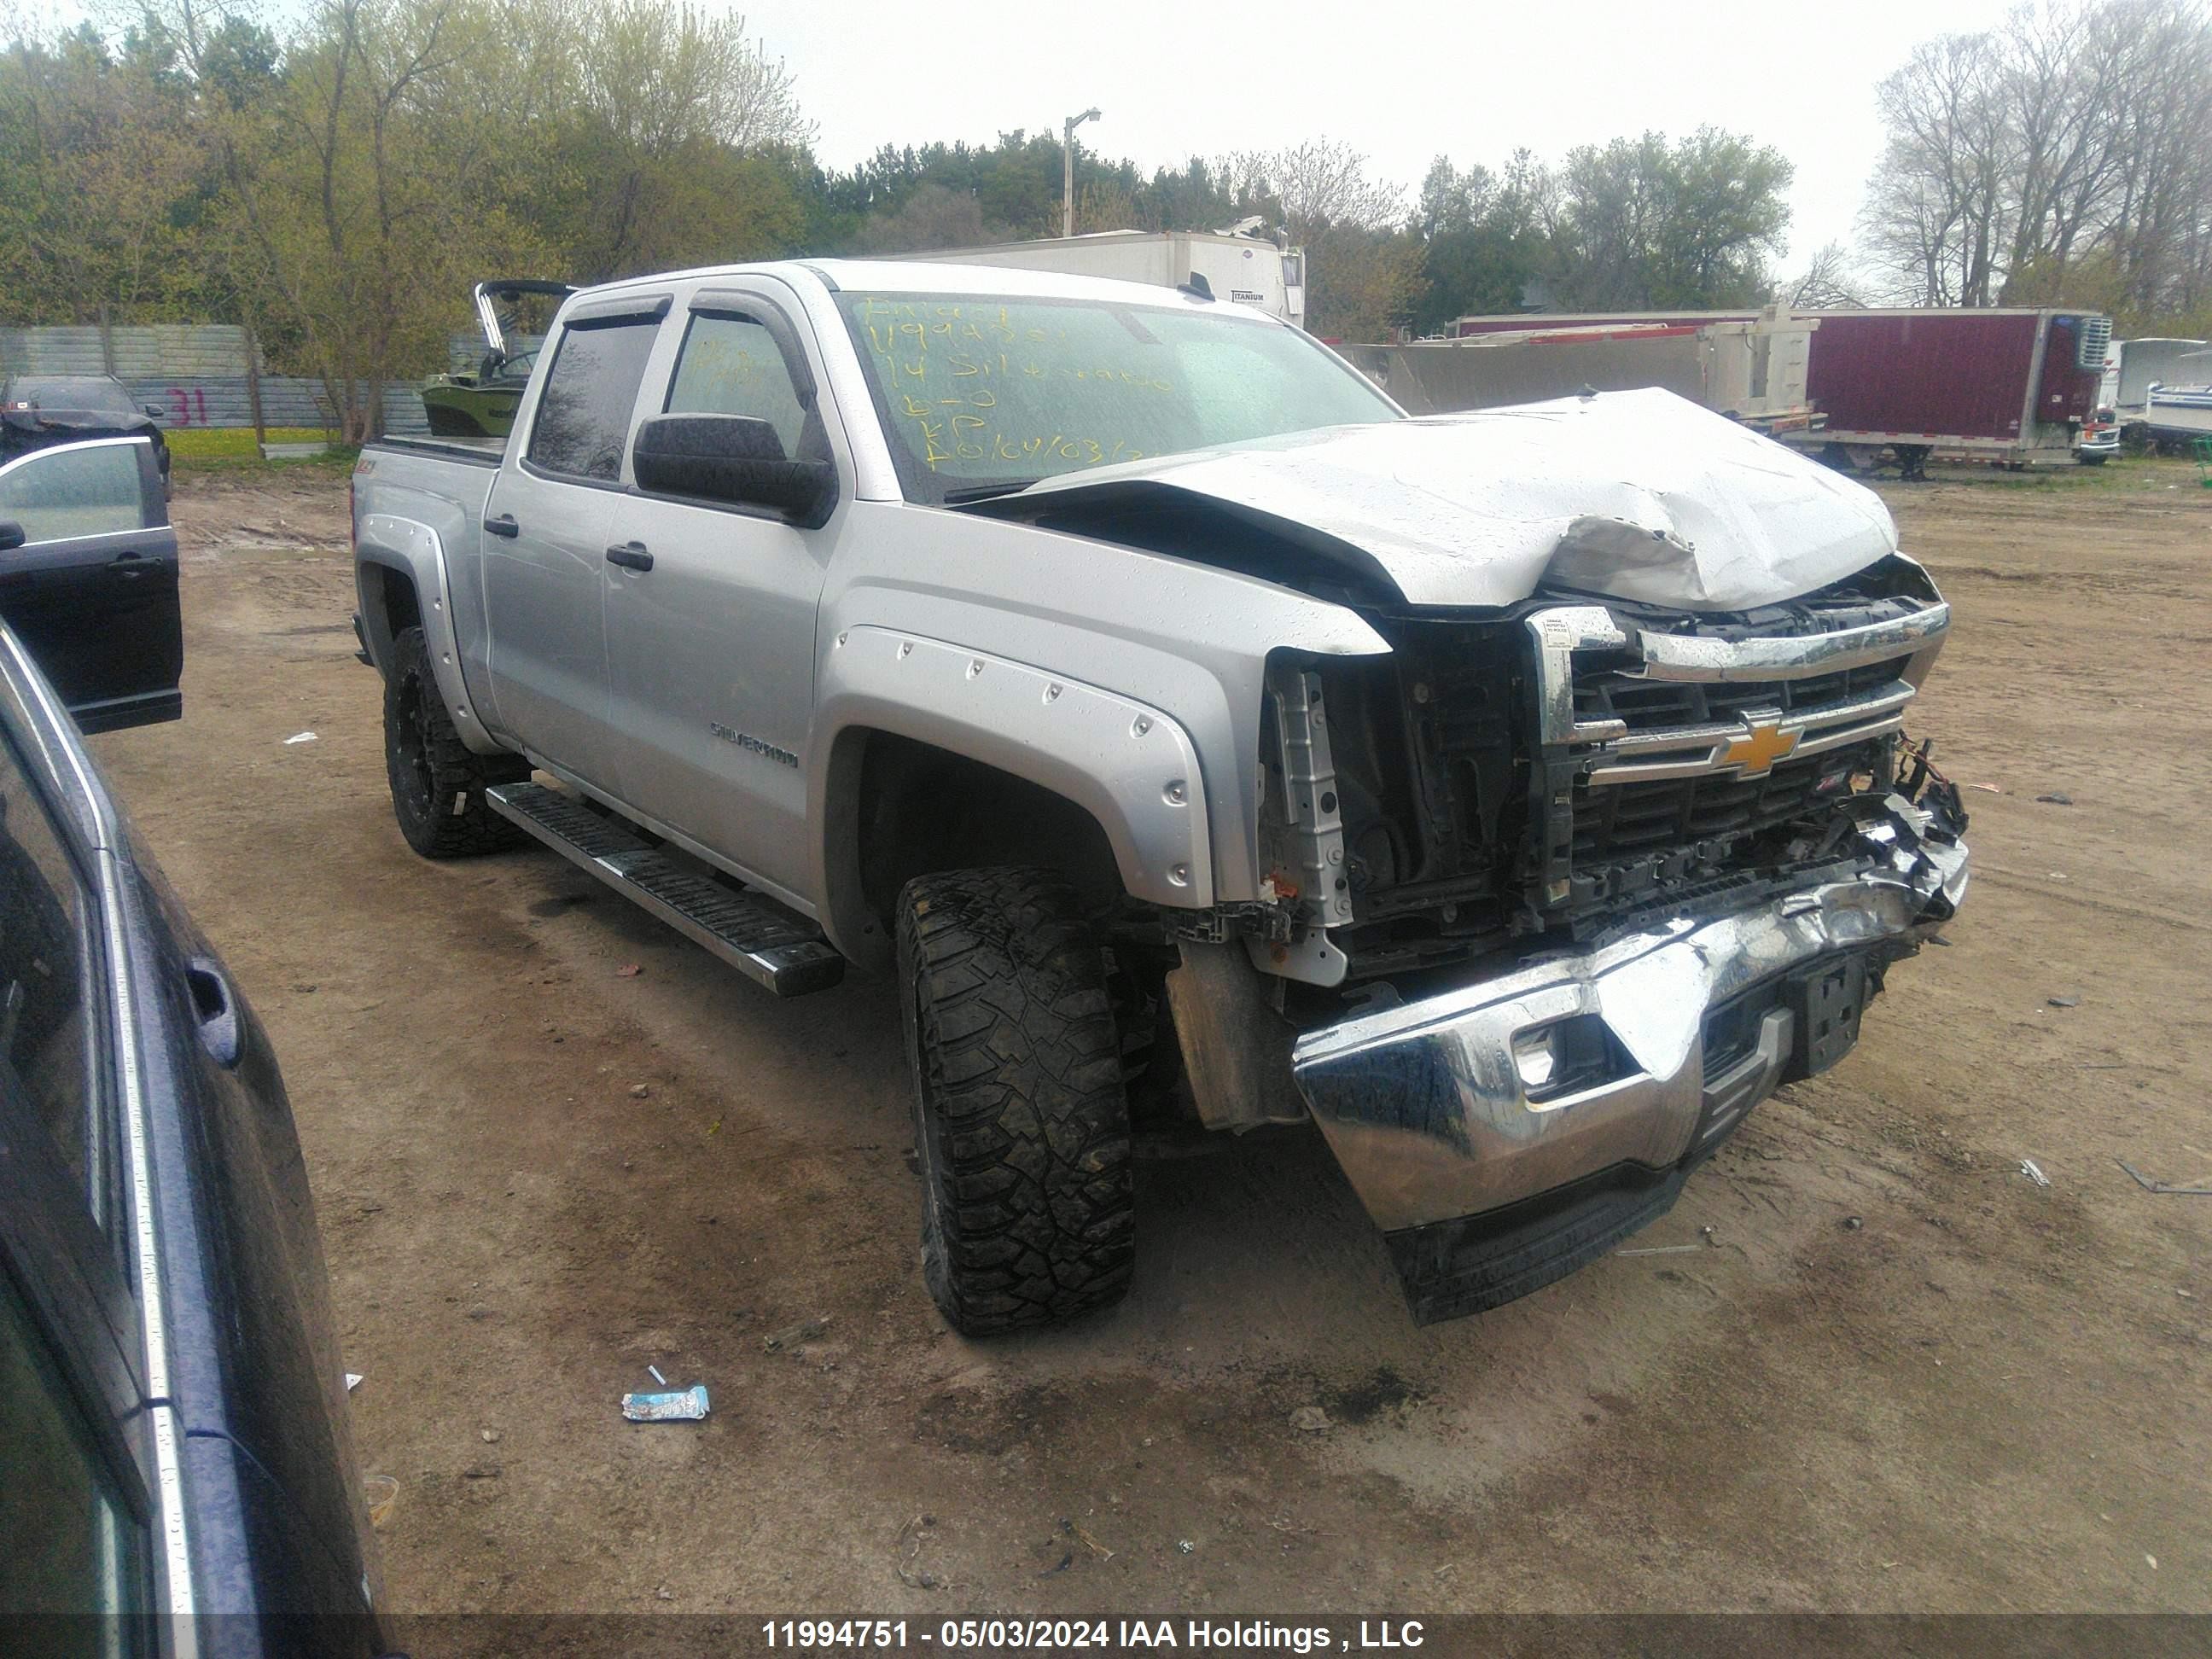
557,507
88,579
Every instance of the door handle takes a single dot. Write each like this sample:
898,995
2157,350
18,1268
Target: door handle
130,566
630,555
504,525
215,1005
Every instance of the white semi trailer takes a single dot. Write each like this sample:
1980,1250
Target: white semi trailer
1243,268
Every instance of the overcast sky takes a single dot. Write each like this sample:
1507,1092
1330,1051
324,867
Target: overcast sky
1401,82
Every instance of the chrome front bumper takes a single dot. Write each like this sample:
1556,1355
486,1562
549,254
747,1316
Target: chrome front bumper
1424,1106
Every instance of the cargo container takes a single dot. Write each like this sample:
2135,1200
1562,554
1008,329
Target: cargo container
2009,385
1246,269
1752,372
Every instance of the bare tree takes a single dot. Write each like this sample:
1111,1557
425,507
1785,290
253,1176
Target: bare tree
1319,183
2070,148
1935,210
1828,284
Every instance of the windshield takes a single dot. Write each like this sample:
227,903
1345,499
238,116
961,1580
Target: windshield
73,392
982,394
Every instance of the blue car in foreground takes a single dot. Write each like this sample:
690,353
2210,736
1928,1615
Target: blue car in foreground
176,1470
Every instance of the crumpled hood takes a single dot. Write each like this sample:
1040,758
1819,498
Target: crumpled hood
1635,494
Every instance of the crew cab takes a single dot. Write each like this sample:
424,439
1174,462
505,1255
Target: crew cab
1519,796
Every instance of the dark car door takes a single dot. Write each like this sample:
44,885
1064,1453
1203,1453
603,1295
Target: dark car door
88,579
173,1434
80,1500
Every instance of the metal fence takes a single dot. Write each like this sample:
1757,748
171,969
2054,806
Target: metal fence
286,400
153,351
195,373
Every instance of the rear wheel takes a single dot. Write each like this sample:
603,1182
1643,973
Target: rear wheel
437,781
1021,1120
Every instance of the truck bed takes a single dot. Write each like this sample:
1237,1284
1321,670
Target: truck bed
475,451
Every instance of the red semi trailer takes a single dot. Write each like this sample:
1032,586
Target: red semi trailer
2013,385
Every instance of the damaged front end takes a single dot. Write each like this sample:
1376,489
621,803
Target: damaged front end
1619,833
1505,1132
1595,876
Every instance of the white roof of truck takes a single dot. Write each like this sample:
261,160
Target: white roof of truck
930,278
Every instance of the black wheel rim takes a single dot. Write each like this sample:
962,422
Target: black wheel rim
411,781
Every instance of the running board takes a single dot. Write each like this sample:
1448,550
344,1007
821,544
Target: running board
755,935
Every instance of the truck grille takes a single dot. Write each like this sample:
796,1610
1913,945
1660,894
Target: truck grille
1665,755
1646,705
1631,820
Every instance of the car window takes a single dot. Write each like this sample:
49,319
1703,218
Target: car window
731,366
583,414
82,489
46,1025
73,1546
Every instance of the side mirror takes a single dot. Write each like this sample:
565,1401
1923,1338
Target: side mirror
734,459
11,536
154,410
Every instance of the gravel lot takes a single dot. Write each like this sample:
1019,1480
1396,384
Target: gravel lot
1987,1395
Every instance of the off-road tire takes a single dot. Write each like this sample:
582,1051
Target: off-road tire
437,781
1021,1120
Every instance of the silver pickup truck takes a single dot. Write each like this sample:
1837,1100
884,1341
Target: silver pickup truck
1519,796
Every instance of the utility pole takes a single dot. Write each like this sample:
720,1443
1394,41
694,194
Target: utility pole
1068,169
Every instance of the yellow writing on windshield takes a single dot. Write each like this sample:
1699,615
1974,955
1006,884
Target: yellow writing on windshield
943,367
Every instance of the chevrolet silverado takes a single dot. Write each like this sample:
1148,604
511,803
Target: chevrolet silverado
1518,796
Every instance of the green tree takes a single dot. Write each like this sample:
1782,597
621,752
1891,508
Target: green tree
1487,239
354,182
1650,226
652,133
96,154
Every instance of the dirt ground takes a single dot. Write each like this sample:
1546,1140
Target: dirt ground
1984,1395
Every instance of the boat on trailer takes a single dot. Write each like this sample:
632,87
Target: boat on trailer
2178,412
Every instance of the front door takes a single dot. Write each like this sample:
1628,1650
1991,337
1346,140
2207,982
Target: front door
552,514
88,579
712,647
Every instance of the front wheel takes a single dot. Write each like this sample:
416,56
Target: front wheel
1021,1120
437,781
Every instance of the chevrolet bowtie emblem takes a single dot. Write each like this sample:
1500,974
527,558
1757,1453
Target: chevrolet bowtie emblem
1764,742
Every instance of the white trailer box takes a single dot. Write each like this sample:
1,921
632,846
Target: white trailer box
2142,363
1243,269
